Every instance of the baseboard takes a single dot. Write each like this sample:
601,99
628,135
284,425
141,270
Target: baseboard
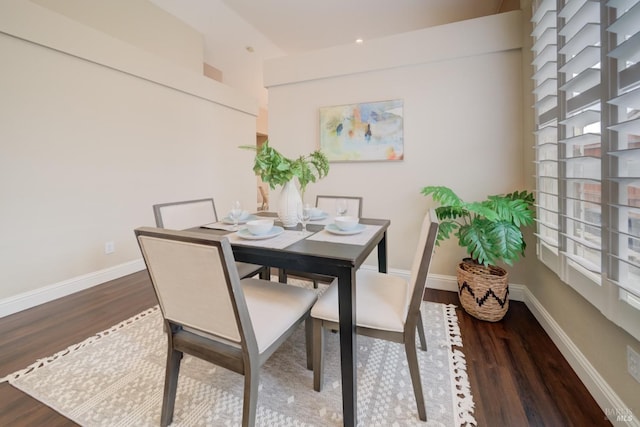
604,395
54,291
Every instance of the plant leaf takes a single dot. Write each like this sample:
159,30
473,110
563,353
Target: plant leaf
507,241
477,243
442,195
445,229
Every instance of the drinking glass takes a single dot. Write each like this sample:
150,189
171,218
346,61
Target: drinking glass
236,213
304,215
341,207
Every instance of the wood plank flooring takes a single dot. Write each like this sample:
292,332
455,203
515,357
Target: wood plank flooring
517,376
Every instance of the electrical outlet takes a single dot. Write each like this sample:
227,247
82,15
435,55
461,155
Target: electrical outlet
109,247
633,363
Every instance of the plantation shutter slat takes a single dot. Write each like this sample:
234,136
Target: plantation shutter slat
624,150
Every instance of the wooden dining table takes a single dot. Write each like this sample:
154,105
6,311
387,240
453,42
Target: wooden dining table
332,259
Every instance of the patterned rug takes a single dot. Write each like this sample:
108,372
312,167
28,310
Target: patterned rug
115,378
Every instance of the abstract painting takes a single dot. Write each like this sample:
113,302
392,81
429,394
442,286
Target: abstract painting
371,131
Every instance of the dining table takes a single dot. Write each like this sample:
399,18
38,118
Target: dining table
339,256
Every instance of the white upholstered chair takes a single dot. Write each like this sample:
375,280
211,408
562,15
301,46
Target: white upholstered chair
328,205
194,213
387,307
212,314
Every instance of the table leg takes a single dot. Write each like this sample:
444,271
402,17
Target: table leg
382,254
282,275
347,315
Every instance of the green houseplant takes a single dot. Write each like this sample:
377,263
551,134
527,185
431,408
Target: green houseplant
491,232
277,170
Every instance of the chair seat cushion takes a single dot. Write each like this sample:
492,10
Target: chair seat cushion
247,270
274,307
381,301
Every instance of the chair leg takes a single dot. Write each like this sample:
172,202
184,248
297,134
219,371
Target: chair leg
265,273
318,350
250,403
414,370
170,386
308,330
423,339
282,275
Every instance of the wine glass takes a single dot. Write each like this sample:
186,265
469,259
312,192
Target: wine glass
304,214
236,213
341,207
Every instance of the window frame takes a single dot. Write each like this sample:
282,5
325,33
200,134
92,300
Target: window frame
598,286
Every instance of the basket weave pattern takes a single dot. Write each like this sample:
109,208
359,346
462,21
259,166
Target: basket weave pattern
483,291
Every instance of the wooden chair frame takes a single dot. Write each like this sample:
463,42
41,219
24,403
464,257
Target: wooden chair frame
245,270
413,322
244,359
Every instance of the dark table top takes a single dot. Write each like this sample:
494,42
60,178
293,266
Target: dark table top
310,255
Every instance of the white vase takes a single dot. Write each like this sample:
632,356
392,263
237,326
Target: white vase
288,204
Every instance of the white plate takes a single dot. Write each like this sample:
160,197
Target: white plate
228,220
323,215
332,228
275,231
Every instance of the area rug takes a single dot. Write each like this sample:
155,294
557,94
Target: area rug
115,378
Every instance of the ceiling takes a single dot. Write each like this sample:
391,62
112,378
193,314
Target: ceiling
239,35
295,26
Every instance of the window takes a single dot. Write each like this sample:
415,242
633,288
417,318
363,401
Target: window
587,109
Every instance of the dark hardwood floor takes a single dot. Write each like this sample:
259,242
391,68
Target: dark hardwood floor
518,377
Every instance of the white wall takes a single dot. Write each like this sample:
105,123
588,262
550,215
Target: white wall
462,119
140,24
93,132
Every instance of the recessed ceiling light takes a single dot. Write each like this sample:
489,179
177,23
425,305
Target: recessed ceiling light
359,41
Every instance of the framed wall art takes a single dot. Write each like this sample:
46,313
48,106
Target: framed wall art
369,131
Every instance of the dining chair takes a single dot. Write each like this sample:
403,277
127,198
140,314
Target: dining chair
327,204
193,213
387,307
212,314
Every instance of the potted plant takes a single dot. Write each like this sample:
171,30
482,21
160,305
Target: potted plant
277,170
491,232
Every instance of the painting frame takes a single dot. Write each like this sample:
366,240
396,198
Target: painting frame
363,132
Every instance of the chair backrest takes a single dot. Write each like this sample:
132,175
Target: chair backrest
328,204
422,260
186,214
196,282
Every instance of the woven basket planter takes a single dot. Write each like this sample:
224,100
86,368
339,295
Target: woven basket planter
483,291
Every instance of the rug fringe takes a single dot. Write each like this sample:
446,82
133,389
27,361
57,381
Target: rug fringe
75,347
452,325
460,382
458,365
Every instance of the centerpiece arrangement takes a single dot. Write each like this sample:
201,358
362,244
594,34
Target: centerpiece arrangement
277,170
490,231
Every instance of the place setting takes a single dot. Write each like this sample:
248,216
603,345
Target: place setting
231,222
260,231
321,217
345,229
318,216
